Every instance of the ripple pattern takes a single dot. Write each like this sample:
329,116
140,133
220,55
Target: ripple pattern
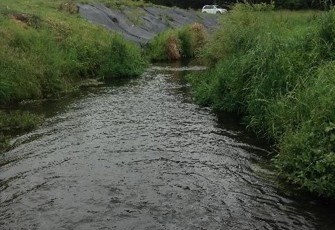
139,156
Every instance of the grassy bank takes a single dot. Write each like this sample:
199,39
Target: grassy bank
47,49
276,68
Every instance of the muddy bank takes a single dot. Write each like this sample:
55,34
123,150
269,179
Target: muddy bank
142,24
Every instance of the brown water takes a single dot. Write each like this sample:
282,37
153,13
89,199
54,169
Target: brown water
141,155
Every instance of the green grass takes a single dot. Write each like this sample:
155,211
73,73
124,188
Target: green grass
48,55
172,44
276,68
47,49
14,122
122,59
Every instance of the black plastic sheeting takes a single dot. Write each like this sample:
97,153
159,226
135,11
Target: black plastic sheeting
142,24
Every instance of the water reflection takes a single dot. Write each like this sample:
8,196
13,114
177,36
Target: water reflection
140,155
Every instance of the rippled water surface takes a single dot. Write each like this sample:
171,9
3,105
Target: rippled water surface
141,155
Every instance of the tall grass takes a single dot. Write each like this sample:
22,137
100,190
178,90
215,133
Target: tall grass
277,69
46,49
122,59
175,44
14,122
48,55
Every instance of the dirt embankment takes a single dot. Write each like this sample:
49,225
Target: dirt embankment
142,24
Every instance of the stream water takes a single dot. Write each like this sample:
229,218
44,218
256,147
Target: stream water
139,154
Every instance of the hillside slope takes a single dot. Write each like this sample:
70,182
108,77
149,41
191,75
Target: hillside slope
141,24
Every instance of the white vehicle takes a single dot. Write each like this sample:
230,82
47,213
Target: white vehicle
213,9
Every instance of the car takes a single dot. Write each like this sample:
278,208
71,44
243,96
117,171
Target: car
213,9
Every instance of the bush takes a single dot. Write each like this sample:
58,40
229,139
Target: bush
70,6
307,148
157,49
122,59
15,122
20,121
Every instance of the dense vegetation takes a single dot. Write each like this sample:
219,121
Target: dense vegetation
44,51
184,42
277,70
273,67
47,50
280,4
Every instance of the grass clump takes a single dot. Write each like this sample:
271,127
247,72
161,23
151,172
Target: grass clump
14,122
21,121
175,44
70,6
157,49
276,68
49,59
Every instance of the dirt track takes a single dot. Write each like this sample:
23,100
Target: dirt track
142,24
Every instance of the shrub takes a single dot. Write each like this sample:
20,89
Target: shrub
122,59
277,69
307,147
70,6
157,49
199,36
185,40
173,48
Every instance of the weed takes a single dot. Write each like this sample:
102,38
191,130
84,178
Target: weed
69,6
276,69
46,49
122,59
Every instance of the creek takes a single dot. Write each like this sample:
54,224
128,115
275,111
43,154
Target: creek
139,154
